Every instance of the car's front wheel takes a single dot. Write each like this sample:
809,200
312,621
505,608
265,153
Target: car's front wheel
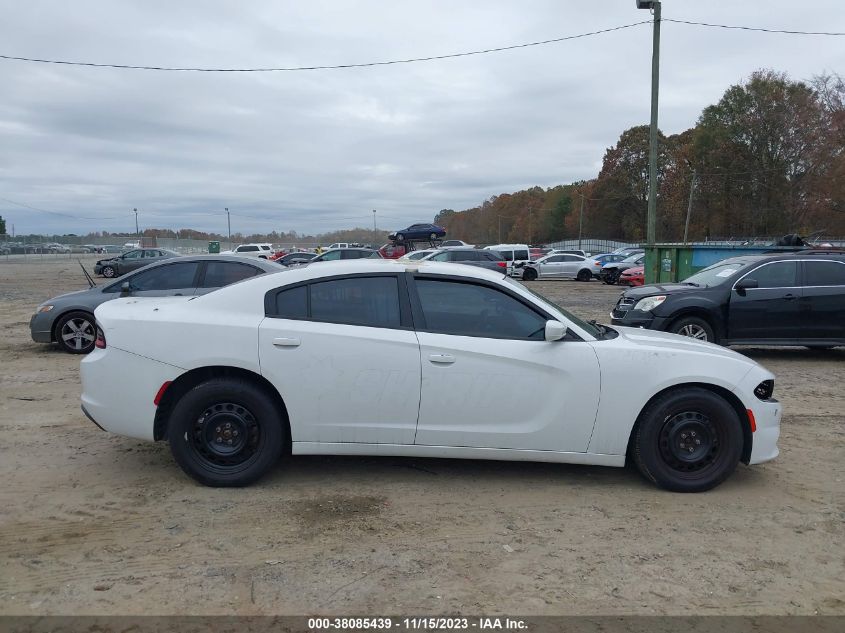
226,432
400,237
694,327
529,274
687,440
76,332
109,271
611,277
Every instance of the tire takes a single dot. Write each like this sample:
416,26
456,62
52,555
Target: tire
611,277
400,237
529,274
694,327
76,332
220,456
109,272
687,440
432,237
584,275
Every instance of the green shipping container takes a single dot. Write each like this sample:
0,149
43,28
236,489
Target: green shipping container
214,247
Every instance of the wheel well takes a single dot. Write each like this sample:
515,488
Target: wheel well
187,381
729,397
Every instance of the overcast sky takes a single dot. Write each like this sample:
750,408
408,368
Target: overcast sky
314,151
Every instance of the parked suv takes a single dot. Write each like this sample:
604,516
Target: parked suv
784,299
262,251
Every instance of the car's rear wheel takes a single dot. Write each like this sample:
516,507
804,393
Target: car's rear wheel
529,274
108,271
584,275
76,332
400,237
226,432
687,440
694,327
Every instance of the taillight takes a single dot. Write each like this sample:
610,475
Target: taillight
101,339
502,264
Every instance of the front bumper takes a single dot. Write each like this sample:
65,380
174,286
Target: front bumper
638,318
41,327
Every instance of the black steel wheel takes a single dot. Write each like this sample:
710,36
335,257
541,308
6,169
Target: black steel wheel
694,327
109,271
584,275
226,432
76,332
529,274
687,440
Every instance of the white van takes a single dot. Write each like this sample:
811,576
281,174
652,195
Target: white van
512,254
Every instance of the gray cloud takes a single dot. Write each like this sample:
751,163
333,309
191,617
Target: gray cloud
310,150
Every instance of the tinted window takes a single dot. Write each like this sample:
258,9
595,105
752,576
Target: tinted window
265,248
467,309
506,255
493,257
247,249
553,260
521,255
571,258
777,275
824,274
354,254
219,274
293,303
466,256
168,277
372,301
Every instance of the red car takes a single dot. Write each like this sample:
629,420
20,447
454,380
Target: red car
633,276
392,251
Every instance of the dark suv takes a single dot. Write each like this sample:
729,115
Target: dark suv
784,299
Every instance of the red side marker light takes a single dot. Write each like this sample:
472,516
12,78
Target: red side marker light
161,391
752,421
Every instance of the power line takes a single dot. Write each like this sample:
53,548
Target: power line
62,215
753,28
334,67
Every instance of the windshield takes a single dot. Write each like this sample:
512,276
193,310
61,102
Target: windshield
715,274
587,327
633,258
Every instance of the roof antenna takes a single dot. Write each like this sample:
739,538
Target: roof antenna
88,277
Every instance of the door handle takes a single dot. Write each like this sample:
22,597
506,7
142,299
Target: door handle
442,359
789,297
284,341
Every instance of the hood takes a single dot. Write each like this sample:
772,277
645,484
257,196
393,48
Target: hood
72,296
666,342
659,289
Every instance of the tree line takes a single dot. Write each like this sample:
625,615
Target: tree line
768,159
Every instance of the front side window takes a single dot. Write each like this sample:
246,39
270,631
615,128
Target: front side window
468,309
330,256
824,274
133,255
170,277
554,260
440,257
372,301
219,274
776,275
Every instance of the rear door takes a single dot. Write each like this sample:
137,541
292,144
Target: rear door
770,311
343,354
823,299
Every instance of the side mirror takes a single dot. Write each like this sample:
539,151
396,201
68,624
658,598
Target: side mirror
744,284
125,289
555,330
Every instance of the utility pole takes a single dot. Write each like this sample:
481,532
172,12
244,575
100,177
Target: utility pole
375,230
529,226
651,222
580,220
689,206
229,224
136,222
500,229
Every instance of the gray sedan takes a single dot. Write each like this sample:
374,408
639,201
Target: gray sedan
471,256
69,319
131,260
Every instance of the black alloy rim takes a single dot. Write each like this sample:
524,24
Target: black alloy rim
225,436
689,442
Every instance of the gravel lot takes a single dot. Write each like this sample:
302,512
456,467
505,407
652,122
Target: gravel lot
92,523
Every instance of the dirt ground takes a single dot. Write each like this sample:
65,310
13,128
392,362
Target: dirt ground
92,523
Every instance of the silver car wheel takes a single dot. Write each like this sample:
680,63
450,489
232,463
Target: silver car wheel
77,334
693,331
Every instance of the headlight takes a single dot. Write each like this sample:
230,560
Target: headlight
649,303
44,308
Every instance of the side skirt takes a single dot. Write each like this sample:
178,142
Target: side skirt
455,452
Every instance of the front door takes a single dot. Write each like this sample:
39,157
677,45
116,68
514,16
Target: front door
345,359
769,311
489,377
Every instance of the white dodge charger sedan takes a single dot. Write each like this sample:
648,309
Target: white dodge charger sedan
375,357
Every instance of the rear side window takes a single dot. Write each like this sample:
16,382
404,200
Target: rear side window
521,255
372,301
490,256
219,274
824,274
467,309
776,275
292,303
247,249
